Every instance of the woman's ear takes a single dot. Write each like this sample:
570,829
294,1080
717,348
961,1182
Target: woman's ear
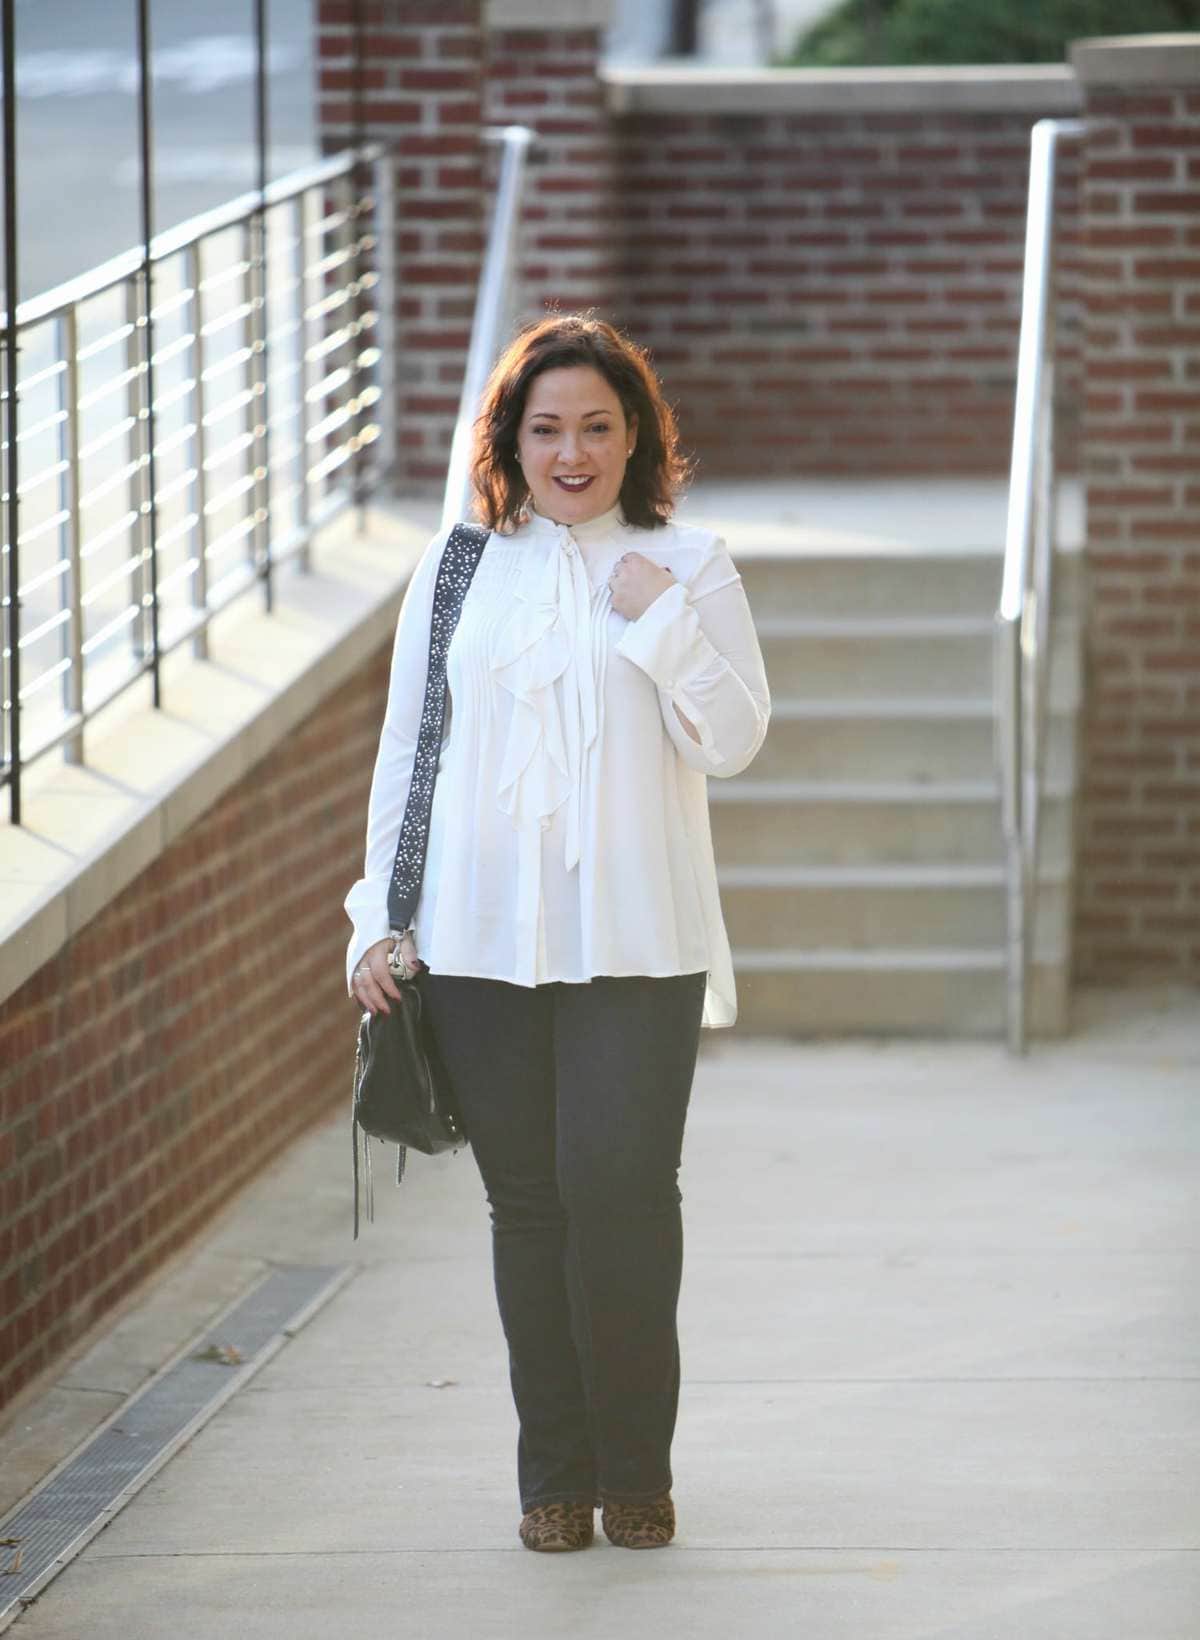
631,427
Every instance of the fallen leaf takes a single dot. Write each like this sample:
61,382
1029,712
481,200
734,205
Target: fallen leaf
16,1565
227,1354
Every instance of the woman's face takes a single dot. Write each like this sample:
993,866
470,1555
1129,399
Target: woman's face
573,443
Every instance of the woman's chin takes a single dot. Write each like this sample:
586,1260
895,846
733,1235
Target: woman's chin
573,506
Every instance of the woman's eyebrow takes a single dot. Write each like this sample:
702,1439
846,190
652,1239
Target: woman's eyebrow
550,415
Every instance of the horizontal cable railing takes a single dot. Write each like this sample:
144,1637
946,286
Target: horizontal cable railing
1023,616
264,328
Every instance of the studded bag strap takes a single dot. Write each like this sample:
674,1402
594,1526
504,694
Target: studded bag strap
463,550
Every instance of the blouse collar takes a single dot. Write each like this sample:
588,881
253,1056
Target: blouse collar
591,529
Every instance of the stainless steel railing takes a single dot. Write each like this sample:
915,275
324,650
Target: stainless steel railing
493,310
1023,617
143,510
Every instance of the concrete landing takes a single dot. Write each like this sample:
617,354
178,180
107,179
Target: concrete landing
941,1342
883,515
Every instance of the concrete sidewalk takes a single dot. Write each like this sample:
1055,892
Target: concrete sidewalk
941,1340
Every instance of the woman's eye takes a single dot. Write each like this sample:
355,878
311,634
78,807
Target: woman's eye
596,427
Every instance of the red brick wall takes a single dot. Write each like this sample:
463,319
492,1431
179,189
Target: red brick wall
1139,862
830,294
571,221
821,293
193,1028
422,86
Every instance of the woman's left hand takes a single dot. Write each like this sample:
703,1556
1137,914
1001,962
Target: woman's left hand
636,583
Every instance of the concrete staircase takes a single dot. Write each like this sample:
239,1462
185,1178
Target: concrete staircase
860,856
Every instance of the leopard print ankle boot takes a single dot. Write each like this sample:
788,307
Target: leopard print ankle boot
554,1528
647,1524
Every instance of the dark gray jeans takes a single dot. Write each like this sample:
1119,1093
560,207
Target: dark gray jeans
575,1098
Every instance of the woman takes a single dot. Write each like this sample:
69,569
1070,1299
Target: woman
569,928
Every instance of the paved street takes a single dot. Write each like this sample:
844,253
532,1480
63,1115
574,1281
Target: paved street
77,138
940,1331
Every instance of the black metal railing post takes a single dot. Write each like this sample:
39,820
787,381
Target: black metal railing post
11,626
149,535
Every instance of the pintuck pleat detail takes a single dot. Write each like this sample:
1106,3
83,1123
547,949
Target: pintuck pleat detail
545,655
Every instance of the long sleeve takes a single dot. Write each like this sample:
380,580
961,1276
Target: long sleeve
697,642
366,903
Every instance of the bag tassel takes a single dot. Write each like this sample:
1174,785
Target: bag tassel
357,1137
355,1132
365,1141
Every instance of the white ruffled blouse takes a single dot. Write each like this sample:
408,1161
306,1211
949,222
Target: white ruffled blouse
569,835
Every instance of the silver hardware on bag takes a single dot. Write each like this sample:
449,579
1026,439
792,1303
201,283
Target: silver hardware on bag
398,964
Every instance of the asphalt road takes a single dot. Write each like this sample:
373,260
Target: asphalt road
77,132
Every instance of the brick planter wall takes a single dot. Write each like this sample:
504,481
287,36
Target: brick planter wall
194,1027
1139,862
837,294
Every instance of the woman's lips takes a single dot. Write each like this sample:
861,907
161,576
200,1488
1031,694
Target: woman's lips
576,488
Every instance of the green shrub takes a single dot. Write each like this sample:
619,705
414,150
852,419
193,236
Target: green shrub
858,32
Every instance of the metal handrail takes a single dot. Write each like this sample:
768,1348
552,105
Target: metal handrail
1023,617
492,312
182,438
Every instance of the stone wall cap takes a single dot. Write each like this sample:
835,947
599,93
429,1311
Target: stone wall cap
92,828
1038,88
535,14
1138,59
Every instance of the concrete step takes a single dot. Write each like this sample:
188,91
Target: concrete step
798,822
889,993
879,906
890,583
917,740
857,909
861,857
864,658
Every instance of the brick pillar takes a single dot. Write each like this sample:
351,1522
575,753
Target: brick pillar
1139,847
421,88
546,77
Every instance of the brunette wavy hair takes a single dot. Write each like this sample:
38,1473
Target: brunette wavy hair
656,472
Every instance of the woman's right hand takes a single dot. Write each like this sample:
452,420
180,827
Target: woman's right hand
373,981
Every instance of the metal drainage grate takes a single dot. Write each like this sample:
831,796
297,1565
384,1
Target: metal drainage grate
82,1496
